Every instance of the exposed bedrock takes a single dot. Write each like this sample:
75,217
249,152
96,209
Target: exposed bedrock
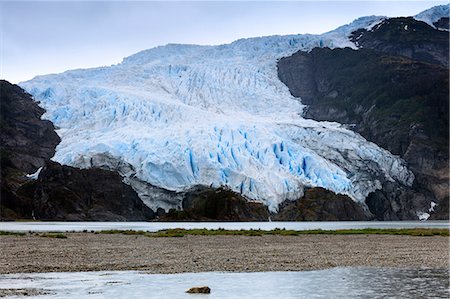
203,203
26,141
65,193
322,204
442,23
317,204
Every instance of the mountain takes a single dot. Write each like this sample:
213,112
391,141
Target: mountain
394,91
405,37
180,117
436,16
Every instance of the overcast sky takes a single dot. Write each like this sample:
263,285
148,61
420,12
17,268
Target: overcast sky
48,37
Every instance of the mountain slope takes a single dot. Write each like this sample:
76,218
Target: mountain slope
26,141
397,102
406,37
435,16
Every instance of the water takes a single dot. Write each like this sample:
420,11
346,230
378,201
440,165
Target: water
155,226
331,283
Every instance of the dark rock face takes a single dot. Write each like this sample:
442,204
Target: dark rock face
199,290
396,102
396,202
26,141
442,23
441,211
61,192
389,100
67,193
406,37
203,203
320,204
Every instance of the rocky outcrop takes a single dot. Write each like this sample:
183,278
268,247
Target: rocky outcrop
442,23
66,193
319,204
199,290
203,203
26,141
406,37
399,103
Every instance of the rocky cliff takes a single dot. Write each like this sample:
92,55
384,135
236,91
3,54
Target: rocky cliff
319,204
26,140
394,92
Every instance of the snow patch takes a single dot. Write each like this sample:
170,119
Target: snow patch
34,176
432,206
423,216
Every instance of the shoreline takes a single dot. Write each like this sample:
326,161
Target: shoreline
73,252
76,226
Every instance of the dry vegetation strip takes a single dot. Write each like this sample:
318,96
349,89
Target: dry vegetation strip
178,232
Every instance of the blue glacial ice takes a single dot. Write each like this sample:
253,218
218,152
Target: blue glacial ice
176,116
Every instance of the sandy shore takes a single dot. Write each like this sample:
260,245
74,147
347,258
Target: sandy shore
95,252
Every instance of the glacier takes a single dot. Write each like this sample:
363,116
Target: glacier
433,14
177,116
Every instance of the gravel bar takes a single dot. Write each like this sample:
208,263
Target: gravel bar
97,252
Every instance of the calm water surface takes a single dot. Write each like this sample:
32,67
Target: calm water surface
155,226
331,283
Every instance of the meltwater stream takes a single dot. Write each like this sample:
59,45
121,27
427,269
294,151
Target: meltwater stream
331,283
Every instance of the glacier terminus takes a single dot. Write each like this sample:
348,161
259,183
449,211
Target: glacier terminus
177,116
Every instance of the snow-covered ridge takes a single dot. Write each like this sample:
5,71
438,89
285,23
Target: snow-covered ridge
433,14
181,115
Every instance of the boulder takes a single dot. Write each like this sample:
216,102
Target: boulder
199,290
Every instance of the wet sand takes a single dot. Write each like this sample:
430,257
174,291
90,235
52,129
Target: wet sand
96,252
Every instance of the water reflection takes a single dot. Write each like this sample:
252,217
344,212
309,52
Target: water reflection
331,283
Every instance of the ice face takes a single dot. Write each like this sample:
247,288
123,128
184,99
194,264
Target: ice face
183,115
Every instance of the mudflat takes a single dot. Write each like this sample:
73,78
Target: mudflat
194,253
